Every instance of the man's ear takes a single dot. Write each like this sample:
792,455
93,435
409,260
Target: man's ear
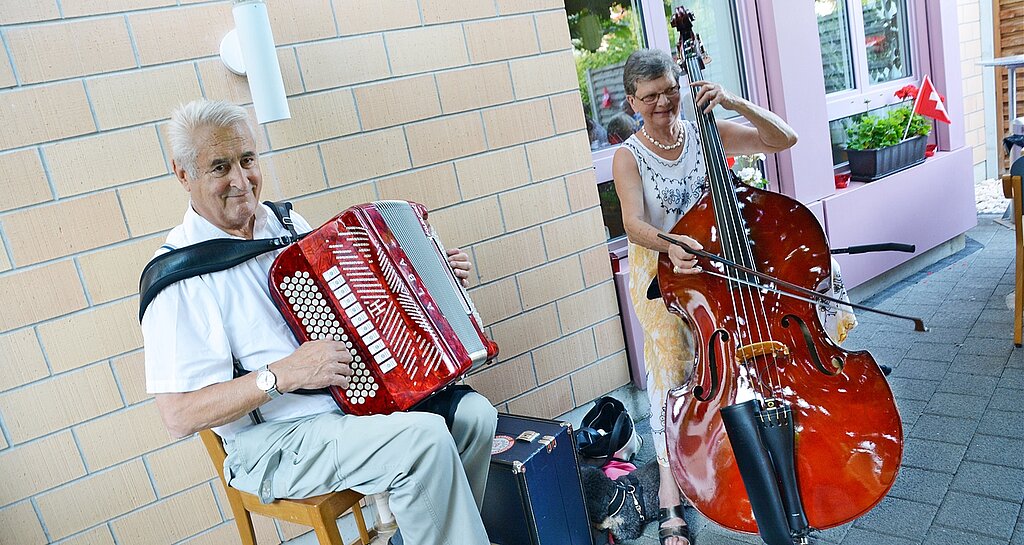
181,174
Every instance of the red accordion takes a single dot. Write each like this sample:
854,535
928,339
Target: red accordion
377,278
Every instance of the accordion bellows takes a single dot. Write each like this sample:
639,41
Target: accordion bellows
376,278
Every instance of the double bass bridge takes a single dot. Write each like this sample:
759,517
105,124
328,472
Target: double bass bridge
751,351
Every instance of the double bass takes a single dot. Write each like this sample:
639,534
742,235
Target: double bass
777,430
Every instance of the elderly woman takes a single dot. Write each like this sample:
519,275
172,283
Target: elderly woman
660,172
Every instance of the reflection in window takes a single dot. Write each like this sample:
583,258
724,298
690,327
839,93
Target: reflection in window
604,33
717,24
836,51
611,210
886,39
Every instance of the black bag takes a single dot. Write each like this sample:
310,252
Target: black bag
607,432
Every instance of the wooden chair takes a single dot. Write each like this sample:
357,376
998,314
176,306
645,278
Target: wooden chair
320,512
1012,190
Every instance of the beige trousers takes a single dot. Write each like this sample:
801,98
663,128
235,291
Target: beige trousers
436,479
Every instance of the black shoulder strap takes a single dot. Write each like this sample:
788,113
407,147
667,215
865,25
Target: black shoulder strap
283,211
208,256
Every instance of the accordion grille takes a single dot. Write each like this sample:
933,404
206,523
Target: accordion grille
434,272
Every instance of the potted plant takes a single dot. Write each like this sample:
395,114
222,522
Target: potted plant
877,146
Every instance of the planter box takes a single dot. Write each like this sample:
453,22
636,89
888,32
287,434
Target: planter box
871,164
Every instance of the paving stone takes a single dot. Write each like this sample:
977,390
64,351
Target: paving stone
1016,360
910,411
891,356
918,310
980,285
912,388
900,338
832,535
958,405
1006,399
999,482
994,330
1013,377
947,334
921,369
933,455
898,517
978,514
932,350
944,428
980,365
859,536
1002,423
960,382
988,269
921,485
1018,532
1003,451
986,347
996,316
954,319
940,535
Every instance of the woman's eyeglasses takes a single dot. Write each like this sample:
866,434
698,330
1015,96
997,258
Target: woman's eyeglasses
653,98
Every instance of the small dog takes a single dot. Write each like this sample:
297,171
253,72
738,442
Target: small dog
623,506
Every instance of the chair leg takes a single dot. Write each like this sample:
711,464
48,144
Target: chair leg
245,530
327,532
364,535
1018,304
1018,219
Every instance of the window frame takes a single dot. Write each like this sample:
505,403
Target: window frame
866,96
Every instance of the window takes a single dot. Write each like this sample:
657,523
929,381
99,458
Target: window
717,24
604,33
836,52
861,79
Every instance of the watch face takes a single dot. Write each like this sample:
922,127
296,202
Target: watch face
266,380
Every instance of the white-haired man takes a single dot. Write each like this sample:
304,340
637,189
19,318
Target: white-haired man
196,328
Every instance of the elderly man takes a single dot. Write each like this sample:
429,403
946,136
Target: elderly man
196,328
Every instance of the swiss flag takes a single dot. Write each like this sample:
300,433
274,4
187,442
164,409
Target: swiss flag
929,103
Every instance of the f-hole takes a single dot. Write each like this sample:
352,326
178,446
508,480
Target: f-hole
713,357
837,362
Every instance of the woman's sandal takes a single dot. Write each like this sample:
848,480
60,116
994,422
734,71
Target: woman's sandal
666,514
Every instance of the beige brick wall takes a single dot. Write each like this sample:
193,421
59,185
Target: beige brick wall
971,29
470,107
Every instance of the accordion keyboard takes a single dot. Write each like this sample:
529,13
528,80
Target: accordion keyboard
320,322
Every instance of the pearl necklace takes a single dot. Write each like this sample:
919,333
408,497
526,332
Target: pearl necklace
679,139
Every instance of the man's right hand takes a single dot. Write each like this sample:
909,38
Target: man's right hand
314,365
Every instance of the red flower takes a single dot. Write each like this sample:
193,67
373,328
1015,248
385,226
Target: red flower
907,91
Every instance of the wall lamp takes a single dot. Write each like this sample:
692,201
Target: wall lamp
248,50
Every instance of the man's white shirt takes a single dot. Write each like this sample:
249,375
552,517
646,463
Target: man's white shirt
194,328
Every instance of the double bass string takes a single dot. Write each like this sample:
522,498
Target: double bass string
734,236
725,220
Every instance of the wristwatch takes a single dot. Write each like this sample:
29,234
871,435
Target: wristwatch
266,380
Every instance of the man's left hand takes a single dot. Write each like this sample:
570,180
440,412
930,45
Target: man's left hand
459,262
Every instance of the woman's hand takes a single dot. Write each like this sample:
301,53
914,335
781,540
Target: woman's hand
683,262
459,262
713,94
